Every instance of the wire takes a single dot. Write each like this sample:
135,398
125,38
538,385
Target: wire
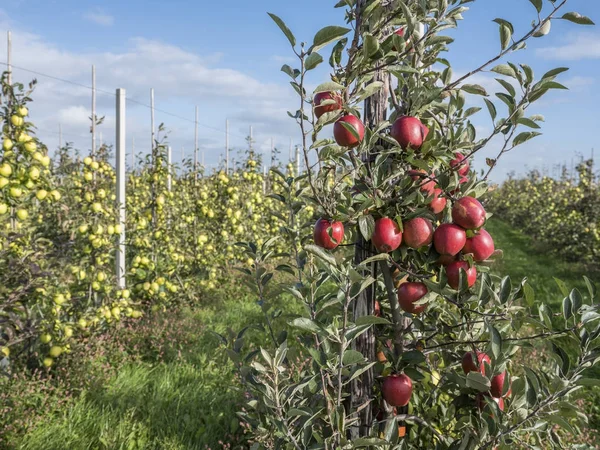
74,83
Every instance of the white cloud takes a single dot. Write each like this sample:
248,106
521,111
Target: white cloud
578,46
100,18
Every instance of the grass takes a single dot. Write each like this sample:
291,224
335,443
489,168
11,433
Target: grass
522,257
177,392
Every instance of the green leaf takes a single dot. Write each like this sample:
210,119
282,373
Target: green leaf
505,35
528,123
496,339
368,91
367,442
544,29
538,4
280,23
360,370
336,53
352,357
588,382
294,412
370,45
505,289
566,362
567,308
320,253
554,72
328,86
413,357
312,61
474,89
378,257
327,35
306,324
576,300
372,320
529,294
506,85
591,288
477,381
562,286
577,18
504,69
524,137
491,108
366,224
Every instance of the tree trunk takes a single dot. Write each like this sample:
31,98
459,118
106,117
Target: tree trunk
376,108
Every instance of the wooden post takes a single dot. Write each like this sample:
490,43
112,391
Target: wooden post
121,152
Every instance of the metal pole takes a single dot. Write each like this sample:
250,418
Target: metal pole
121,199
226,145
9,56
152,123
196,146
93,111
169,165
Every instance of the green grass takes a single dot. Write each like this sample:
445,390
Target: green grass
522,257
175,397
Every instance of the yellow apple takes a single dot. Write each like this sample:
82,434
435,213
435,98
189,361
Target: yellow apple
7,144
22,214
5,170
41,194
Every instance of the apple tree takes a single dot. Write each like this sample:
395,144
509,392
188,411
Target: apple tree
408,340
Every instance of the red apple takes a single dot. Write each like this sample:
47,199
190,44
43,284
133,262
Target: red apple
439,202
468,362
408,293
468,213
497,385
449,239
343,136
420,179
481,403
417,232
481,246
387,236
409,131
453,273
397,389
321,236
324,96
444,260
460,163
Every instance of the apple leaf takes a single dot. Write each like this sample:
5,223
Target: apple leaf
281,24
567,308
366,224
368,442
576,299
524,137
588,382
528,123
321,254
505,288
591,288
306,324
312,61
506,32
496,339
506,85
369,90
478,382
491,108
371,45
327,35
562,286
577,18
538,4
328,86
504,69
474,89
372,320
552,73
544,29
352,357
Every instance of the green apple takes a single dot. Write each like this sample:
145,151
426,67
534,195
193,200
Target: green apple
17,121
41,194
23,111
15,192
7,145
34,173
55,351
5,170
30,146
3,208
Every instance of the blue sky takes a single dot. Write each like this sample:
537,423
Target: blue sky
225,58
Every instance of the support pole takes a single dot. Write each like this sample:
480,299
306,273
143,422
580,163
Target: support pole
133,154
121,199
93,111
196,146
152,131
9,56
